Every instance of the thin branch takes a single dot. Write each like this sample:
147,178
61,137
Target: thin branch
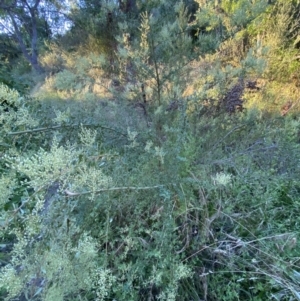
71,194
51,128
26,4
4,26
229,133
36,4
157,76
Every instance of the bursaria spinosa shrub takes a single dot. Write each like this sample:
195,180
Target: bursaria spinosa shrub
15,115
68,210
46,259
8,96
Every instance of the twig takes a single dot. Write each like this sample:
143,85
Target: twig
70,193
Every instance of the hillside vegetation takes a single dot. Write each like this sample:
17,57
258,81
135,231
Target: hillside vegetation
152,152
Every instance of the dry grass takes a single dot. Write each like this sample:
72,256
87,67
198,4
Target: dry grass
274,97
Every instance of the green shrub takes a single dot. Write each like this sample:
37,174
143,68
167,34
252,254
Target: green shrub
182,200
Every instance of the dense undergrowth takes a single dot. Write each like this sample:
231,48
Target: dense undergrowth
105,212
171,175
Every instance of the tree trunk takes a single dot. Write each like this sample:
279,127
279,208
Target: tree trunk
31,55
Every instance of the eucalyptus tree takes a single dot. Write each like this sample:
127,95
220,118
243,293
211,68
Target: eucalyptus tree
28,22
